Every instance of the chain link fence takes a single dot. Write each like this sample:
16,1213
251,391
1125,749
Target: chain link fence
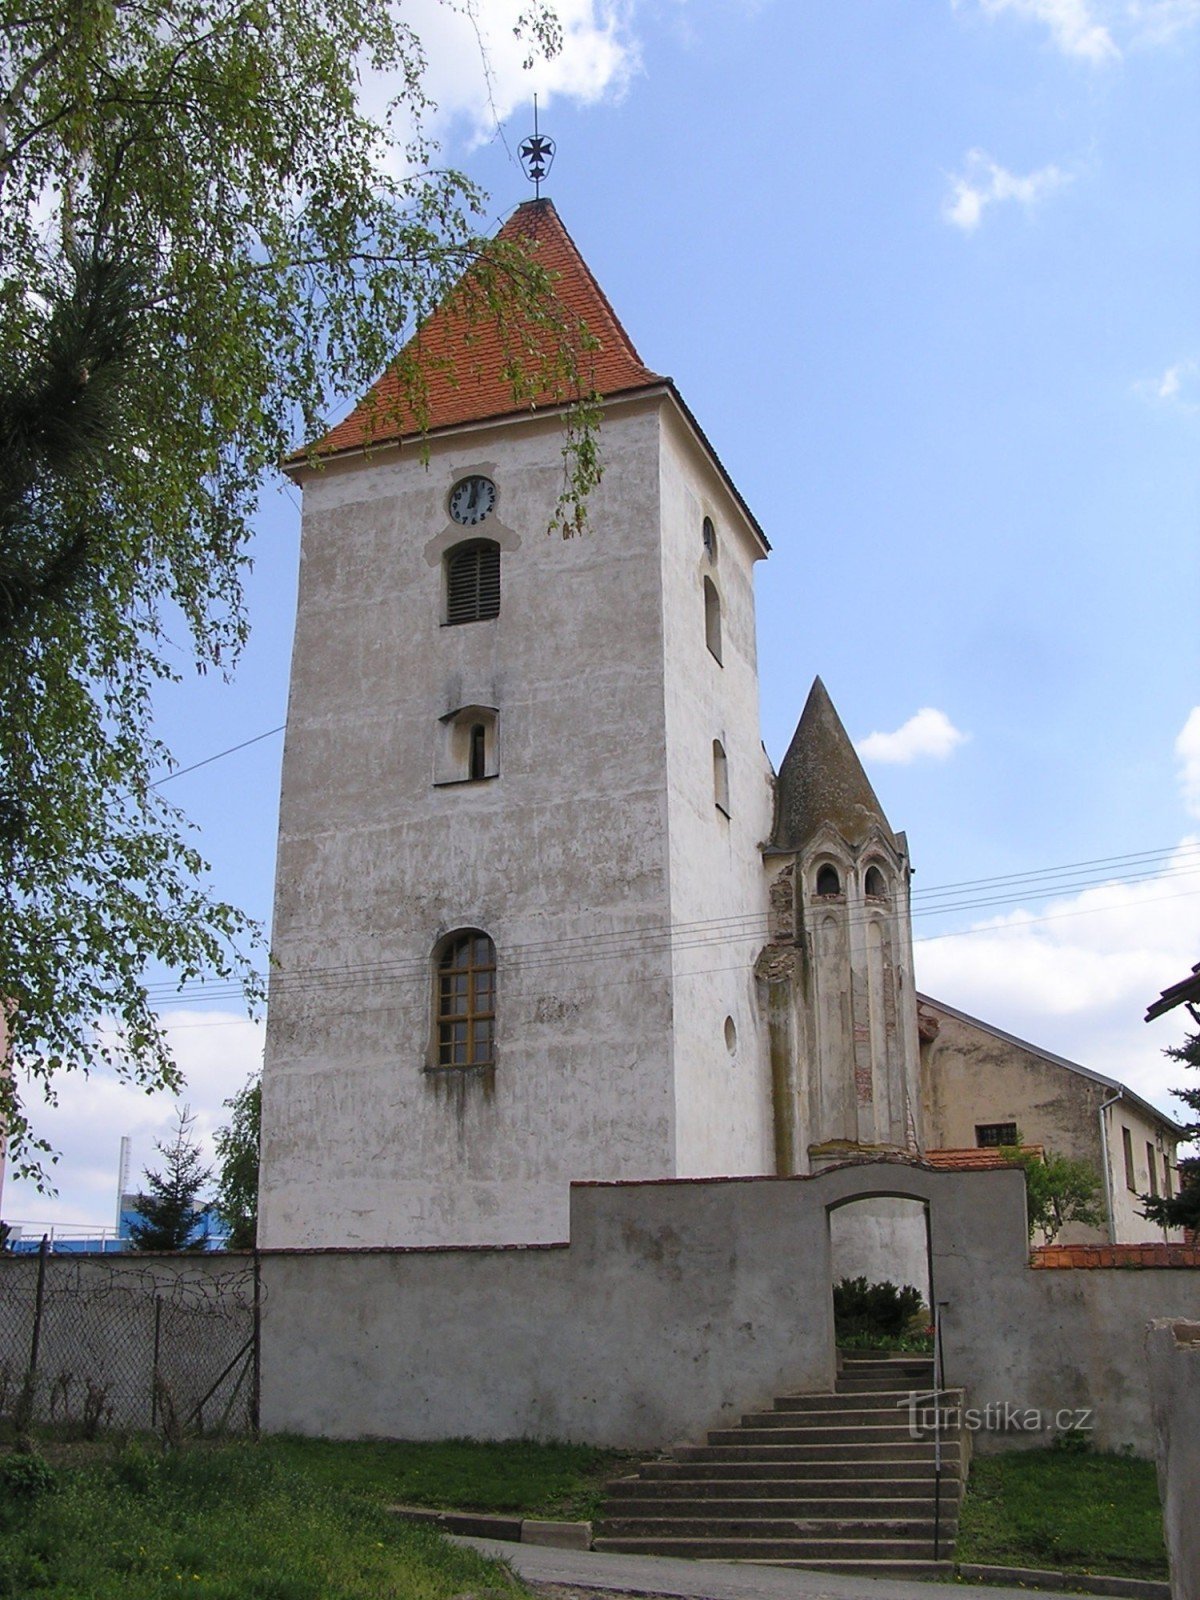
90,1343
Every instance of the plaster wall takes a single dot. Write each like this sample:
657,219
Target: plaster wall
723,1113
971,1075
883,1241
1173,1359
679,1305
560,858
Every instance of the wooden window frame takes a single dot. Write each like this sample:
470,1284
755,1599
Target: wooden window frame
465,1001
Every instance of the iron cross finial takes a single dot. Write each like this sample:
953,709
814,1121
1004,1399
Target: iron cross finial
537,154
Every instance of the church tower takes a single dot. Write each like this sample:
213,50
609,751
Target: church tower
839,967
519,887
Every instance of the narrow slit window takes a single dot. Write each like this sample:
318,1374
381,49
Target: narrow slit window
466,1001
473,582
708,535
1152,1167
712,618
1127,1152
720,777
478,758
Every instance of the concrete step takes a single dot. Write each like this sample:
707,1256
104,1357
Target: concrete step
876,1460
810,1491
871,1399
863,1530
855,1416
808,1507
860,1442
816,1551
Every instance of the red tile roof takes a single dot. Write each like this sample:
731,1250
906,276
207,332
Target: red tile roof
974,1160
463,357
1115,1255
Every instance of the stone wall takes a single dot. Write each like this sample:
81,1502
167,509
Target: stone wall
679,1305
1173,1359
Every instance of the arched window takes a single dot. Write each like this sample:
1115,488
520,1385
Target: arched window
708,537
467,748
828,881
720,777
876,884
712,618
473,581
466,1000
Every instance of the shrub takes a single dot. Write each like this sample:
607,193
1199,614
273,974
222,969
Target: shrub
881,1310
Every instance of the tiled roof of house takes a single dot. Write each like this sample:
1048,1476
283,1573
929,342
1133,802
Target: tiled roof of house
975,1160
463,357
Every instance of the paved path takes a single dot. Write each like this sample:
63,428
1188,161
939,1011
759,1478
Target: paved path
715,1580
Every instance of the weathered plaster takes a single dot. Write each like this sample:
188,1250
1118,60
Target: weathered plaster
1173,1360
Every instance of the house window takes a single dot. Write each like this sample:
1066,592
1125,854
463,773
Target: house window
876,886
828,881
467,748
466,1000
1152,1167
720,777
708,536
995,1135
472,581
1167,1187
712,618
1127,1150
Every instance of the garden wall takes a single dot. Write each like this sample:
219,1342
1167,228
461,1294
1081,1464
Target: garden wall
678,1305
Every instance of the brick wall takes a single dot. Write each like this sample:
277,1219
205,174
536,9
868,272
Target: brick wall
1115,1255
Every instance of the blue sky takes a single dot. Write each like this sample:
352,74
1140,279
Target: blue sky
927,274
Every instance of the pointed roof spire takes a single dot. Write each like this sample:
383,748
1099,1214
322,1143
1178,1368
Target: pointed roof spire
465,358
822,780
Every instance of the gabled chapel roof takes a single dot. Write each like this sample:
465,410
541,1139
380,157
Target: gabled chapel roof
822,781
464,357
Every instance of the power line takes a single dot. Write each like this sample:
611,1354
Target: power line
617,943
180,772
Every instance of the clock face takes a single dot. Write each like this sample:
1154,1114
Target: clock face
471,499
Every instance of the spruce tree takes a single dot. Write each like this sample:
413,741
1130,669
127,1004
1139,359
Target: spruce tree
237,1179
1181,1210
167,1211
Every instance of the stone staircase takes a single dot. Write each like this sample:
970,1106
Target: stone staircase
828,1481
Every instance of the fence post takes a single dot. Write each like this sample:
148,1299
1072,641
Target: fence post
256,1376
35,1341
154,1374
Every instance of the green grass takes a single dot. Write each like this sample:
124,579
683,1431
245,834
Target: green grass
234,1523
1064,1509
518,1476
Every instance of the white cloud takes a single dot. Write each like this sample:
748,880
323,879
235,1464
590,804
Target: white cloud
1187,748
217,1052
929,733
984,183
1076,975
1172,387
475,62
1160,22
1094,30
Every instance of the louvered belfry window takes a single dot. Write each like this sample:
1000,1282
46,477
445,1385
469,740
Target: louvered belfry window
473,582
466,1001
